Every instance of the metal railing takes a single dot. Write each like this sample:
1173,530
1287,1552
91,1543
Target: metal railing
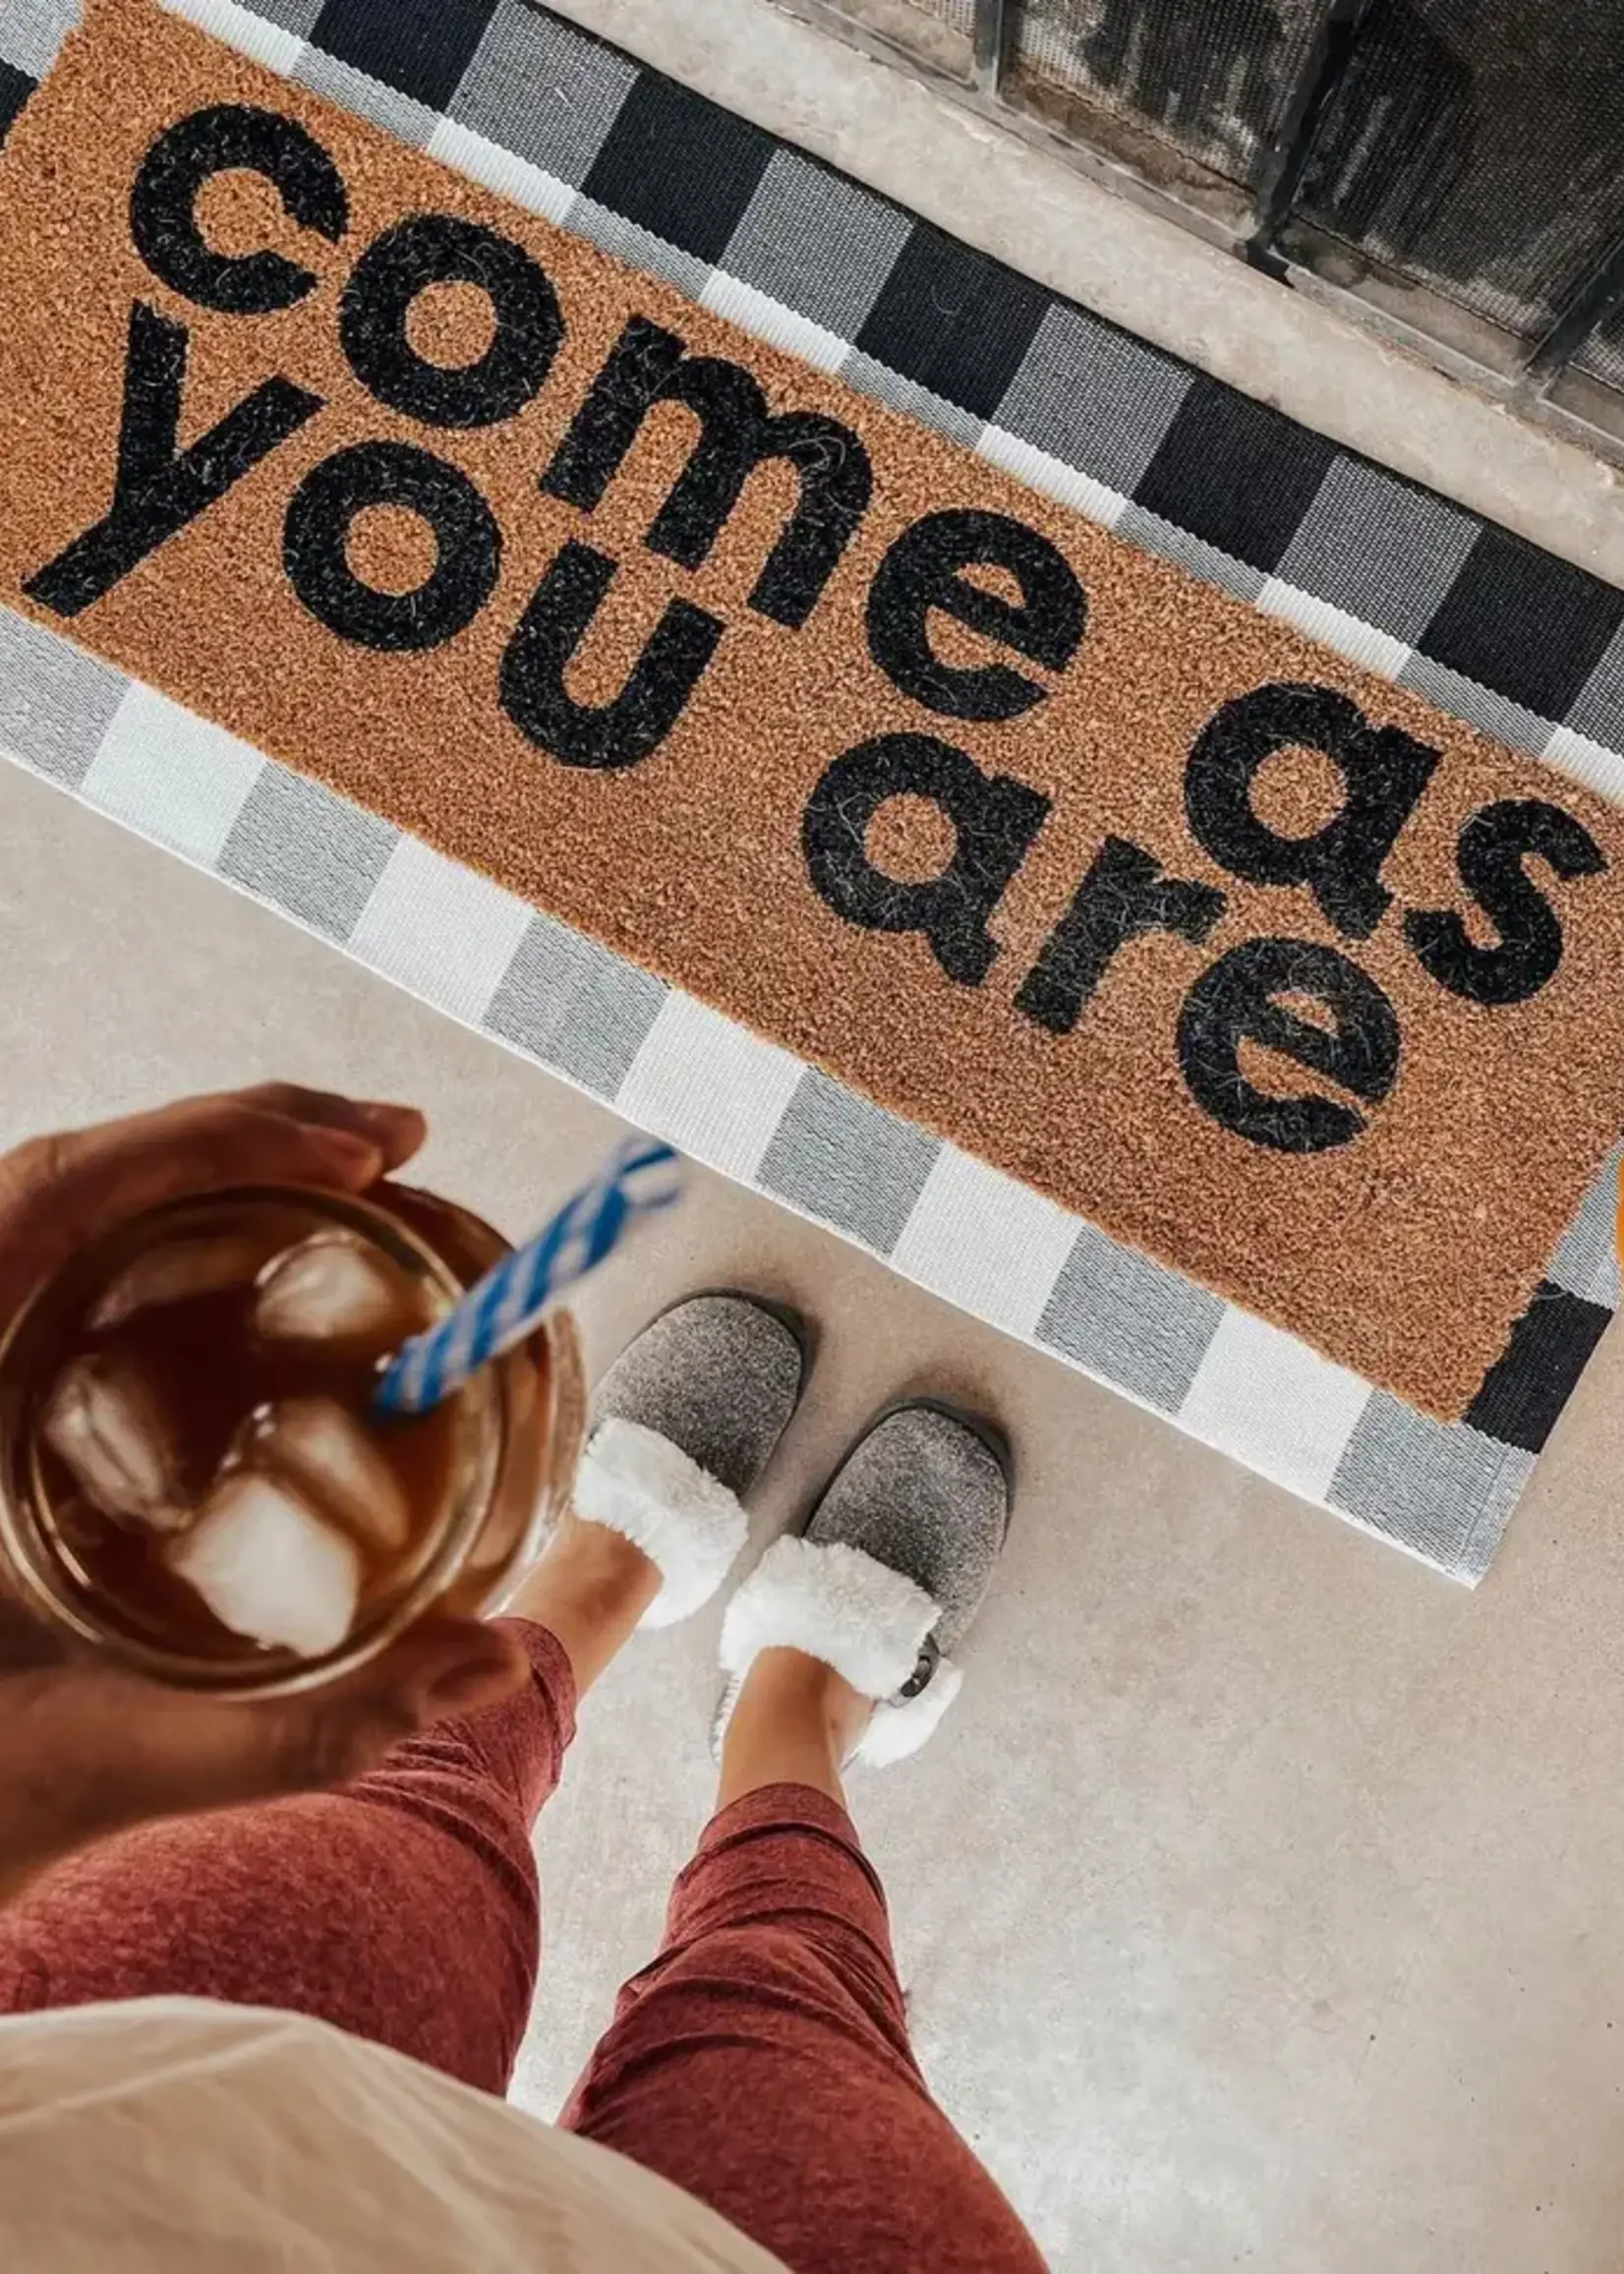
1449,170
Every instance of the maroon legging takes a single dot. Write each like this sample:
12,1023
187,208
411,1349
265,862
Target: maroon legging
762,2062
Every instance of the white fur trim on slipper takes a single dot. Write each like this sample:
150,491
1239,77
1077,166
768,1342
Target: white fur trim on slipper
857,1614
835,1603
689,1526
898,1727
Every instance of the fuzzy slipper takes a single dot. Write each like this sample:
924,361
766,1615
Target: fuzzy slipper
684,1423
888,1574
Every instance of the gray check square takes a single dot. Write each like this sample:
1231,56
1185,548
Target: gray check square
572,1004
306,851
628,241
1481,707
542,91
30,35
1129,1321
816,243
1094,397
848,1162
1379,550
1437,1487
400,115
1599,710
1149,531
55,702
1585,1261
909,396
297,16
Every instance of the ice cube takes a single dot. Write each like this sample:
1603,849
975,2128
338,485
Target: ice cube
104,1420
332,1290
186,1267
268,1567
327,1454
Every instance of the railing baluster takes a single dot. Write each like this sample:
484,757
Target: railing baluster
1280,176
994,24
1599,294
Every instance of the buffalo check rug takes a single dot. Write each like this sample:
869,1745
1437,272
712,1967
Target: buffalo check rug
774,945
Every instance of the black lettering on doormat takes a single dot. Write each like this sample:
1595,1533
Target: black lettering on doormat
924,570
624,731
1384,772
994,818
647,365
1235,1002
316,535
1492,847
1124,896
157,488
427,249
230,138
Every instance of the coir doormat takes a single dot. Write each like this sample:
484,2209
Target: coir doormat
939,858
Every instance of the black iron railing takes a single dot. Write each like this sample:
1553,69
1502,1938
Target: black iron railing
1455,168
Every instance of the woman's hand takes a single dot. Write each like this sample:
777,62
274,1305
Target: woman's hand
87,1747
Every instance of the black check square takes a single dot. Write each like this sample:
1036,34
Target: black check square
1523,623
679,166
16,86
1524,1390
1236,474
421,47
953,321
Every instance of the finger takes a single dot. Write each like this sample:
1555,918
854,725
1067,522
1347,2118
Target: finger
60,1191
205,1146
398,1131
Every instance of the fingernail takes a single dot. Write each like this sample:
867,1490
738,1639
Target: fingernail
382,1111
354,1160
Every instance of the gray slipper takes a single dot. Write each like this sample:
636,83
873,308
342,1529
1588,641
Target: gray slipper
683,1424
889,1573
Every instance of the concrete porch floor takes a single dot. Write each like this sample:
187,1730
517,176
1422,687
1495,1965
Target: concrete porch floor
1260,1903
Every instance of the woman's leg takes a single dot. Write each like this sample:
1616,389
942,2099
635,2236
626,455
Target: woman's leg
402,1907
763,2061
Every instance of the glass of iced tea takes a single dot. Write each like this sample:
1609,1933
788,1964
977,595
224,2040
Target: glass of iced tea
192,1476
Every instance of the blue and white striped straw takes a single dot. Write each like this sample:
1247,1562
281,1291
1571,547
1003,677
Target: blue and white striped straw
503,1306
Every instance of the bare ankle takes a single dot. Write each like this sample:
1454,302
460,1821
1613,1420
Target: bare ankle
592,1554
589,1587
794,1721
786,1684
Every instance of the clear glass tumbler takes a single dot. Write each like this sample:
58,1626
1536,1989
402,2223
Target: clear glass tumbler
516,1430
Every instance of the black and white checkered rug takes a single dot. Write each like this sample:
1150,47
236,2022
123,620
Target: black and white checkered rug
1409,585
